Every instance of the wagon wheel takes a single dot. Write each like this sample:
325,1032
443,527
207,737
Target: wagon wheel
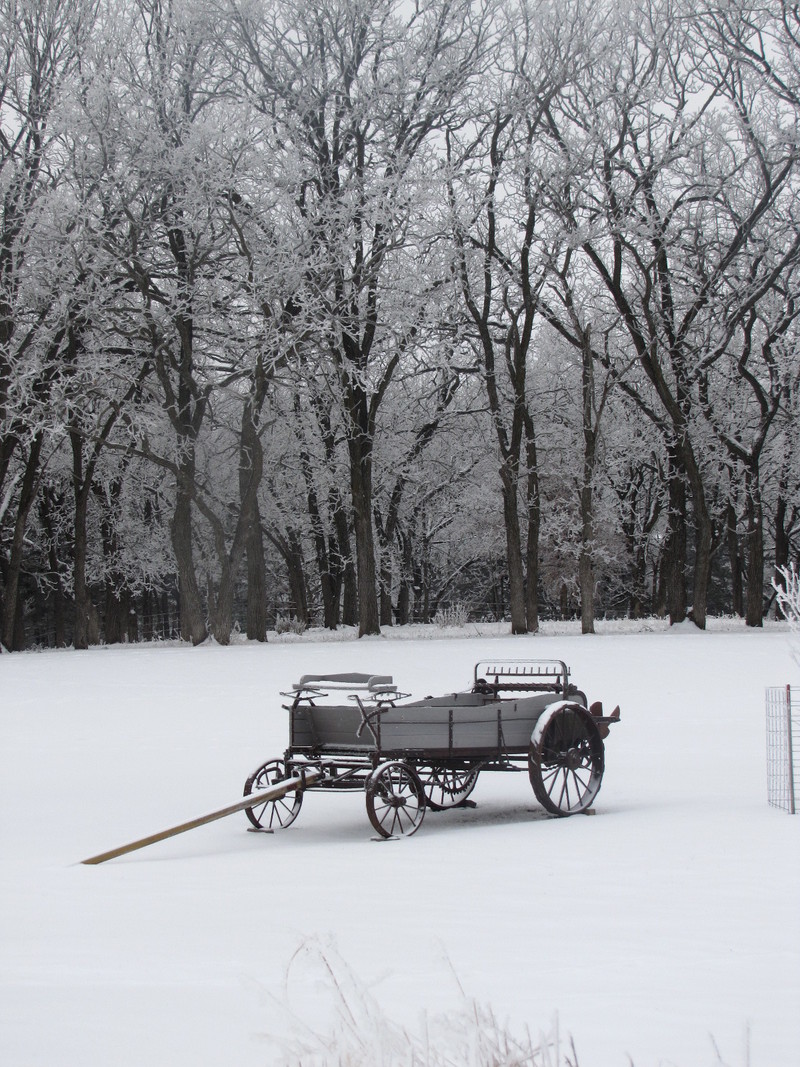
395,800
446,787
272,814
566,760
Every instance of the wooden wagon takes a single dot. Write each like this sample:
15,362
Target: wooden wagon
413,755
356,731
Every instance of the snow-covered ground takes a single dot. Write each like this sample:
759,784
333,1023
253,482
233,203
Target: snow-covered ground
663,931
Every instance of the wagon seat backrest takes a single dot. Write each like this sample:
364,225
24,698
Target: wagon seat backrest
339,725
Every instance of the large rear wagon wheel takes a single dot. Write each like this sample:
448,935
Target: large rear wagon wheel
272,814
395,800
566,760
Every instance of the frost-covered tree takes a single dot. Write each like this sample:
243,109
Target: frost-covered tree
787,591
501,169
683,183
40,55
353,91
179,224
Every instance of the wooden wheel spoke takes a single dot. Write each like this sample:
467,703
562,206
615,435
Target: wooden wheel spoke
558,780
580,788
583,786
387,811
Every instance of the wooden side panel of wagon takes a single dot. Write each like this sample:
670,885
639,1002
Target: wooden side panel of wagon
465,725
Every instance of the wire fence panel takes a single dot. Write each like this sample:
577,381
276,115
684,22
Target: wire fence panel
783,726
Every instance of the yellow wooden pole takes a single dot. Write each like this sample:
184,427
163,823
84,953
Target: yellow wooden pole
275,792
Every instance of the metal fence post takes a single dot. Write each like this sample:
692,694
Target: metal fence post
783,718
790,747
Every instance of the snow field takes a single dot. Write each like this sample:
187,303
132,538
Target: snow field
665,928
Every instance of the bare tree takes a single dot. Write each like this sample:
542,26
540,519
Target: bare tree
354,89
182,234
505,251
42,45
644,125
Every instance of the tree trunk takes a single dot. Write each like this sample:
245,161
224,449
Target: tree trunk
361,488
114,623
534,508
702,560
639,570
247,530
298,589
781,536
404,590
220,605
638,563
343,565
337,573
248,538
386,588
327,582
406,578
12,633
403,602
131,617
386,536
256,578
166,625
46,505
754,547
734,560
585,563
516,575
117,598
147,615
59,617
674,560
586,560
192,618
115,616
80,638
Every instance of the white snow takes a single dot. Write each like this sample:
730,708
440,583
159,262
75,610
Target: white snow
666,928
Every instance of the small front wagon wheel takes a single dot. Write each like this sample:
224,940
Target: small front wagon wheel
272,814
566,760
395,799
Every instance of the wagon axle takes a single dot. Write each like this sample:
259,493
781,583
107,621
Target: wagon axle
573,758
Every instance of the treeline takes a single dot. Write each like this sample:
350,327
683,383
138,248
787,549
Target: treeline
351,311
